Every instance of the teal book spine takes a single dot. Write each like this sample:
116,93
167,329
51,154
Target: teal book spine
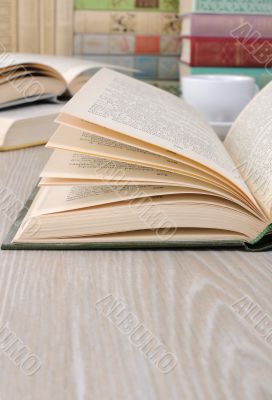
261,75
128,5
227,6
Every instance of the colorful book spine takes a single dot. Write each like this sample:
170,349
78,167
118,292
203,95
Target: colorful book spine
220,25
226,6
228,52
128,5
261,75
127,44
148,67
28,26
137,23
8,25
47,26
64,27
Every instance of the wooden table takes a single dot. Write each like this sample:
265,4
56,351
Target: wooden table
190,302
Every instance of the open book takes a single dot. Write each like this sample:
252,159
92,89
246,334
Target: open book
30,77
26,126
134,166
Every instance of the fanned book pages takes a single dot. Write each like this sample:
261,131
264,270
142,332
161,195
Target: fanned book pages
134,166
26,78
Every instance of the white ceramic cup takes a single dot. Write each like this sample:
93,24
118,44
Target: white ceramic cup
220,98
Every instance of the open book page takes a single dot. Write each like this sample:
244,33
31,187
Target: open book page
68,138
72,168
64,164
250,146
141,111
69,68
65,198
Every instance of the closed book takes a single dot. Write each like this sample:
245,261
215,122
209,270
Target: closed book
8,25
262,76
64,27
138,23
225,25
226,52
118,44
28,125
226,6
128,5
47,26
28,26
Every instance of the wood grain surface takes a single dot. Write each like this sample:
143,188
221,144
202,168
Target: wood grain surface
184,298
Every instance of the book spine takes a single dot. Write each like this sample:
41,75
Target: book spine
8,25
47,27
137,23
156,67
128,5
261,75
223,25
149,67
64,27
28,26
126,44
225,52
228,6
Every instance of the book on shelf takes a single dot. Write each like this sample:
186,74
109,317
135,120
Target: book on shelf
44,26
28,26
47,26
28,125
126,44
128,5
134,166
262,76
8,25
64,27
32,77
226,6
143,67
138,23
227,25
226,52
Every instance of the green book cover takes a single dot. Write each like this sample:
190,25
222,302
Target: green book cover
261,75
128,5
227,6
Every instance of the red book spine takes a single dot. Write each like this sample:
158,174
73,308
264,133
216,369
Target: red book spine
228,52
227,25
147,45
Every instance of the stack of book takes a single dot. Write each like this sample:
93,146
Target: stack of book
227,37
139,34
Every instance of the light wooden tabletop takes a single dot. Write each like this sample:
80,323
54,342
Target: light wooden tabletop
207,314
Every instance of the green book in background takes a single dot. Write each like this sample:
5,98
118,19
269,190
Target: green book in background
128,5
226,6
261,75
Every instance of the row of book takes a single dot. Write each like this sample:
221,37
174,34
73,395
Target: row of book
144,35
147,31
40,27
227,37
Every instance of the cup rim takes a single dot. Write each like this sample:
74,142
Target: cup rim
220,78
